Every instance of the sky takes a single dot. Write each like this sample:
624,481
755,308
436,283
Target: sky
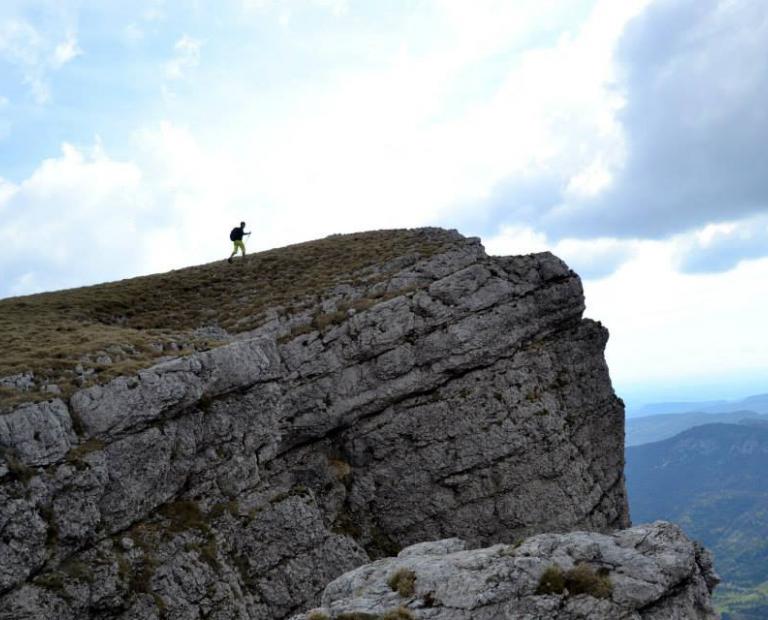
629,138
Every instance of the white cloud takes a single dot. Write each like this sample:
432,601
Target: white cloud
154,13
394,147
146,22
73,220
25,46
677,335
133,33
186,57
202,190
66,51
22,45
7,189
589,181
592,259
709,235
721,247
694,79
336,7
20,41
517,240
554,112
397,146
255,5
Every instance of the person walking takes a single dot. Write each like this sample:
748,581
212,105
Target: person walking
236,236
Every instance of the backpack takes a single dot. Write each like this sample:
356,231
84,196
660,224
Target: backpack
235,234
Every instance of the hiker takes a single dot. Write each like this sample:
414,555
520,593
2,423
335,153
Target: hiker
237,237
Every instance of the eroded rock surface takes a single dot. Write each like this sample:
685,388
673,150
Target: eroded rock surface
650,572
455,395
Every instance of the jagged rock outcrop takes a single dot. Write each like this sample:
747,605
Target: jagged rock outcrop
449,395
651,572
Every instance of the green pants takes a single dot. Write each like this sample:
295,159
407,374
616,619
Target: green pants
239,245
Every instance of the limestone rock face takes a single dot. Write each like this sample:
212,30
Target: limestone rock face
647,572
451,395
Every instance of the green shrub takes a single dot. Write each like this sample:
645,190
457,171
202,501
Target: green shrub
403,581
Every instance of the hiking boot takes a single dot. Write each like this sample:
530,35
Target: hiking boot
229,260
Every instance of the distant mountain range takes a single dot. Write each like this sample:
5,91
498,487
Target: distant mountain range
658,427
757,403
712,480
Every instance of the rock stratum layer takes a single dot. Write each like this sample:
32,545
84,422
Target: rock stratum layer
444,395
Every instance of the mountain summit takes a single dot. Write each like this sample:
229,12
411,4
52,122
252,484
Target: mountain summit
225,444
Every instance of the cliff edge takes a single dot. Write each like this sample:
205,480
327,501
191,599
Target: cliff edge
431,392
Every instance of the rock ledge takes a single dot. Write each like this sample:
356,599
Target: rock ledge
655,573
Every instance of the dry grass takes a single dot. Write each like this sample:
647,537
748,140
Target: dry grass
581,579
403,581
138,320
400,613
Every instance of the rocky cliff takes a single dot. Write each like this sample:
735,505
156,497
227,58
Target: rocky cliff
434,394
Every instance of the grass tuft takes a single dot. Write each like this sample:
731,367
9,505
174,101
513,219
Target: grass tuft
403,581
400,613
17,468
185,515
582,579
76,456
552,581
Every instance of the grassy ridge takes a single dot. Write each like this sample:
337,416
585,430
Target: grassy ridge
63,336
